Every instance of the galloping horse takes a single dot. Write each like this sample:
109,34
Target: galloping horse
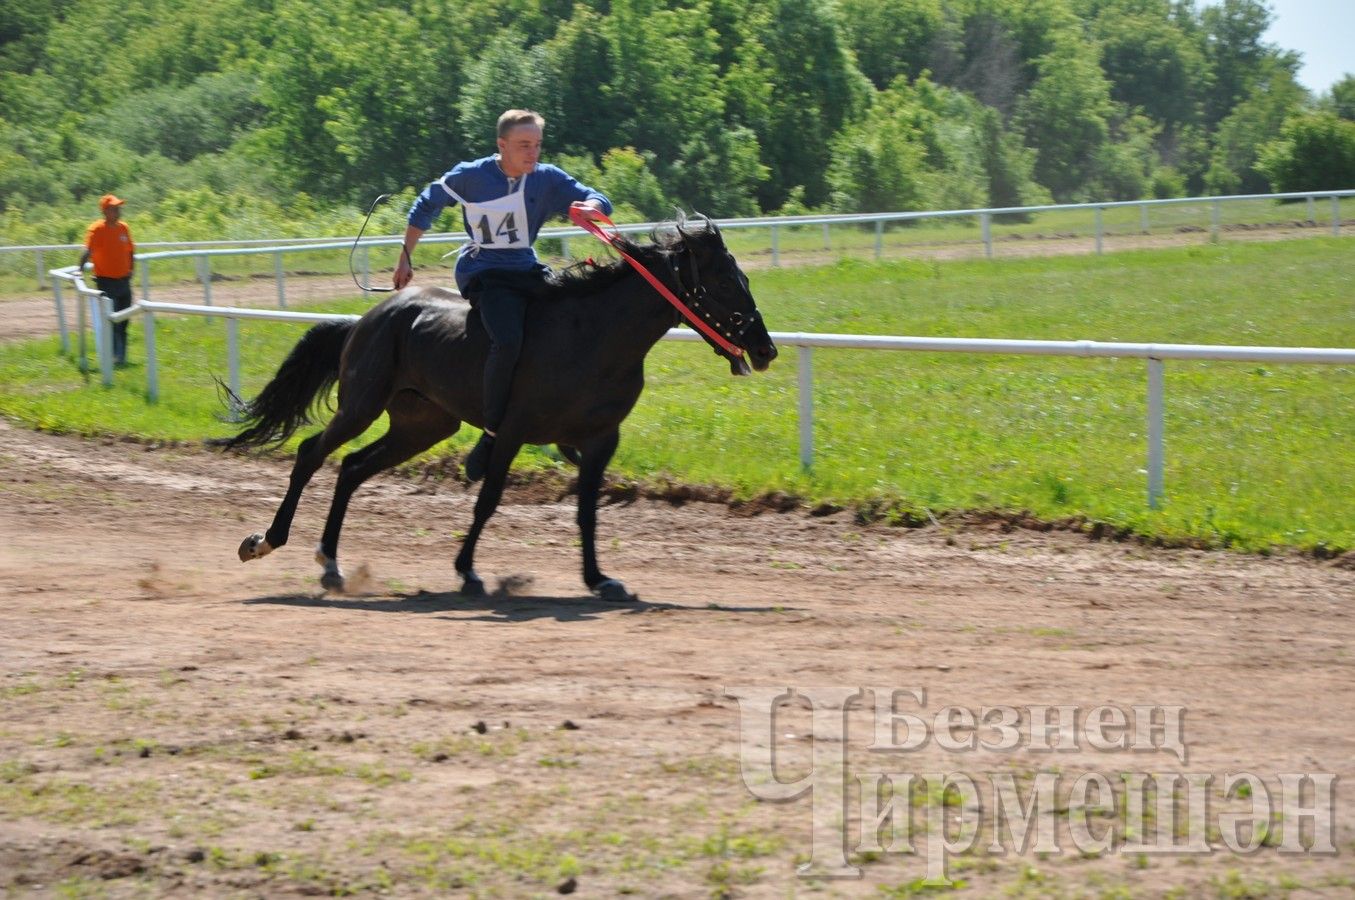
419,355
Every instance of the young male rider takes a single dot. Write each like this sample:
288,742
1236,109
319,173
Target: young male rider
505,199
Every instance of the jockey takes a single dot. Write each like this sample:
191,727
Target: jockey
505,199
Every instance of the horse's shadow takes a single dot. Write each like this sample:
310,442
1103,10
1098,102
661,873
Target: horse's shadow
499,606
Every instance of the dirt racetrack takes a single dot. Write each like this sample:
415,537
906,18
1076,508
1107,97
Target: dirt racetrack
175,723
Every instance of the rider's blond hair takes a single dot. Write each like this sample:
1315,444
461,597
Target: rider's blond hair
515,117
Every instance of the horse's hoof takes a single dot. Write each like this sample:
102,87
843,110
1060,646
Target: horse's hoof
472,586
613,591
254,547
332,581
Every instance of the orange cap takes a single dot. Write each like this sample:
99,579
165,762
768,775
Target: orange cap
108,200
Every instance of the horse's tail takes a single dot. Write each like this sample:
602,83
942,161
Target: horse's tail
303,379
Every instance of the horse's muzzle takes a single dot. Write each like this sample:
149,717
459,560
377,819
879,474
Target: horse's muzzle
762,356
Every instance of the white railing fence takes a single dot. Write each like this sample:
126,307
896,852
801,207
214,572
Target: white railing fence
1155,354
204,251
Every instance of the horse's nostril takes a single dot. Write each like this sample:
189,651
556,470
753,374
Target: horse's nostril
763,356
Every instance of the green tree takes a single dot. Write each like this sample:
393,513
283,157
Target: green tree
665,88
24,26
503,74
181,123
1125,164
1064,117
977,53
891,37
1315,152
1010,165
1151,62
582,113
668,95
952,154
625,177
1254,122
1233,31
719,174
347,116
730,106
1341,99
817,90
880,163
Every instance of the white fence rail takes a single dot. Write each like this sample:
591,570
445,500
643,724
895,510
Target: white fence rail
204,251
1155,354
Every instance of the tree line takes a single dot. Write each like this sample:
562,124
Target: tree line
247,117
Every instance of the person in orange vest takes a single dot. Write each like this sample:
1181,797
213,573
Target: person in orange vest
108,244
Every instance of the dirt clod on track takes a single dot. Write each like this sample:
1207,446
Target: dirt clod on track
174,722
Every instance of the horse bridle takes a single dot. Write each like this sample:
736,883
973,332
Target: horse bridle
733,324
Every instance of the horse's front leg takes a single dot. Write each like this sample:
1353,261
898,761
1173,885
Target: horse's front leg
491,492
596,455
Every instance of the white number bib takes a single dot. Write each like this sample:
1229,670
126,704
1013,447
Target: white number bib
496,224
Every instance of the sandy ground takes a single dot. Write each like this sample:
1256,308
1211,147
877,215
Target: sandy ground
176,723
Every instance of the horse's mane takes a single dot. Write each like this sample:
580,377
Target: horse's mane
587,277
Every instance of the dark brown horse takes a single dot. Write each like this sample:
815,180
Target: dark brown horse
419,355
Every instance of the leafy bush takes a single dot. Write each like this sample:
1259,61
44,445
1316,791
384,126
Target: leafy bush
207,116
1313,153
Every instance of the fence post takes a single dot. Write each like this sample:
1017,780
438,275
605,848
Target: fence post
776,249
366,263
879,238
1336,216
80,301
1215,217
105,339
806,379
1100,230
206,271
281,280
827,241
233,354
42,272
986,225
61,316
145,280
1312,210
1143,218
152,362
564,247
1156,428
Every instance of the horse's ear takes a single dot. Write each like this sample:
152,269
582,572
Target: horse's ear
680,222
707,229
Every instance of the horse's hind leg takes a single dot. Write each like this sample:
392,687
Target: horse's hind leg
363,392
595,456
349,422
416,425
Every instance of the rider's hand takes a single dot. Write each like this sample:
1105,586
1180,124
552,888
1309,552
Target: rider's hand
404,273
586,207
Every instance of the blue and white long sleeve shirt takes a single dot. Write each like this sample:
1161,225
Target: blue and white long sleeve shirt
546,191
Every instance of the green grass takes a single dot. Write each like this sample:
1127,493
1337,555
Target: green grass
1257,456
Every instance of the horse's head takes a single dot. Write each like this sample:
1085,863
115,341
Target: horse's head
715,288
